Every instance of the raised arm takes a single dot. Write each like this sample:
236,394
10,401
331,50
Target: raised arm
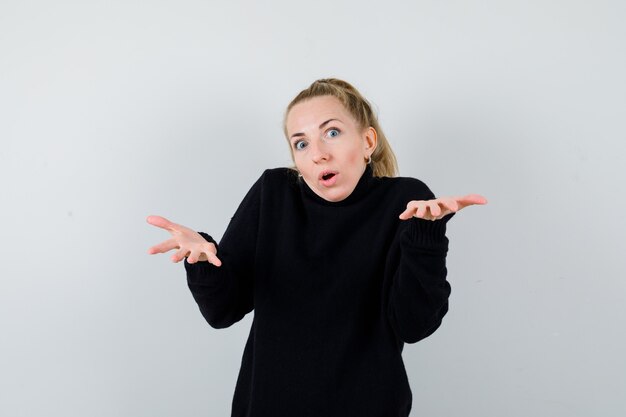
221,276
419,292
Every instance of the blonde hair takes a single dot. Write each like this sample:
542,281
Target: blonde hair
384,163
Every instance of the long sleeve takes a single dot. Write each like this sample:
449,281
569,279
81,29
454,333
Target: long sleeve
337,288
225,294
419,292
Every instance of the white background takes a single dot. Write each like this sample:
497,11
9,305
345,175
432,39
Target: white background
114,110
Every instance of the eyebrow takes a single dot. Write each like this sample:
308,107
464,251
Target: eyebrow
321,126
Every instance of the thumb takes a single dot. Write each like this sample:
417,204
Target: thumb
471,199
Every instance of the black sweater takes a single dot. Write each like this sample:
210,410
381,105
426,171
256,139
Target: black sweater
337,288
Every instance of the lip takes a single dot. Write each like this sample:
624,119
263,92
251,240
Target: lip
329,182
326,172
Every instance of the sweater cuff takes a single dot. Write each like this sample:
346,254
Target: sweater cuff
208,238
429,233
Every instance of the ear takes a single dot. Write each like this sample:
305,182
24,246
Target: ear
370,140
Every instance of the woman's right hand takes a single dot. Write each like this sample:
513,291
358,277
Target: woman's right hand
190,244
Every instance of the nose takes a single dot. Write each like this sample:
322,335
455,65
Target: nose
320,153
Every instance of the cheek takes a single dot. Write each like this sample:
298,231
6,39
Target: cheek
354,156
299,163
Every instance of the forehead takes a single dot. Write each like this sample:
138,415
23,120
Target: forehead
309,114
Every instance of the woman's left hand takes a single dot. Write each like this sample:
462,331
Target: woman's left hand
440,207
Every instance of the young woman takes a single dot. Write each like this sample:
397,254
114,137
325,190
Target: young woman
342,262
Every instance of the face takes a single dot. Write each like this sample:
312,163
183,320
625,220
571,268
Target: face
328,147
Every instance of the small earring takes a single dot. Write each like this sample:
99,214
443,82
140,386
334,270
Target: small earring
369,159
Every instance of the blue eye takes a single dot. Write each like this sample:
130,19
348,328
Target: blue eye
299,145
333,133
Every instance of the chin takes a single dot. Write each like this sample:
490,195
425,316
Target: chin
333,198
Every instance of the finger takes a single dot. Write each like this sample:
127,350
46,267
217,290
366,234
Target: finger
180,255
420,210
434,208
450,204
408,213
193,256
471,199
163,247
211,254
161,222
213,258
475,199
410,210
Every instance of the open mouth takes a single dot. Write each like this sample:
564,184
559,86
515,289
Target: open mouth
328,178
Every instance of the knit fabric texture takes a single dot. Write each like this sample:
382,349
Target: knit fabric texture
337,289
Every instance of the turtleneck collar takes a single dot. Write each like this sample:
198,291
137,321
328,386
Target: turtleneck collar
357,194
